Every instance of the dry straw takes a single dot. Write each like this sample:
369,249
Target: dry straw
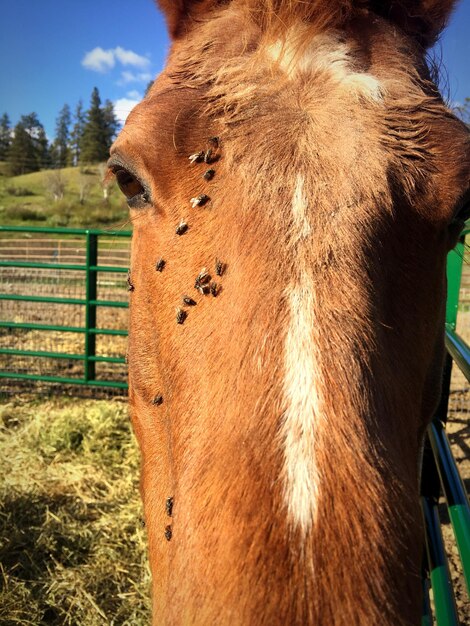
72,546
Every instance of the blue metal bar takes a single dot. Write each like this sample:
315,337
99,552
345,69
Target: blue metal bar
459,351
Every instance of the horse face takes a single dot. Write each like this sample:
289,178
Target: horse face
295,183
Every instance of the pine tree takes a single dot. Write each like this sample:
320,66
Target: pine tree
43,153
29,149
95,142
5,136
21,156
76,135
60,148
112,123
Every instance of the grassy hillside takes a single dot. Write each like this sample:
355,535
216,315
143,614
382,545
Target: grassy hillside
31,199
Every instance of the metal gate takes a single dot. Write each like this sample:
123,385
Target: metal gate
62,292
440,475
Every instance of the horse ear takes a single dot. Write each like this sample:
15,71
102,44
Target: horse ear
174,12
179,12
423,20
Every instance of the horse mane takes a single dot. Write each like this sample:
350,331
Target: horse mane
421,19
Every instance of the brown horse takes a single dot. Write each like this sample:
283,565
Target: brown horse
295,183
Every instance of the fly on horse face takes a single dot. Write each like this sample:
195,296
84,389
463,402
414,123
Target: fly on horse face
295,182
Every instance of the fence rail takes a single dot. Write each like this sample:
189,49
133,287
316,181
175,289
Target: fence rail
87,273
440,474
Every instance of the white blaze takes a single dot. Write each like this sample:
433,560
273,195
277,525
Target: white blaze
303,406
301,385
329,57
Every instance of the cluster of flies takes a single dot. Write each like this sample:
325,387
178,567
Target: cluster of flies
204,285
207,157
203,282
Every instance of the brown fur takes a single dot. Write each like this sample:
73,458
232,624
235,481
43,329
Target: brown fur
421,19
382,180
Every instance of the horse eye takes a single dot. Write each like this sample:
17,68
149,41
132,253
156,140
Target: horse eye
131,187
128,184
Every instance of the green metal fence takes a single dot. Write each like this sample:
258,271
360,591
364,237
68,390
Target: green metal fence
87,273
441,475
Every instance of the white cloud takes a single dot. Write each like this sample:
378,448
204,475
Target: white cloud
132,77
123,107
99,60
134,95
128,57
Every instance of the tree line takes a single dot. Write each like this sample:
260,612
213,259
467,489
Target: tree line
80,138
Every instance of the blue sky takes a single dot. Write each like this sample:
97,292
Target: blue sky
56,51
43,44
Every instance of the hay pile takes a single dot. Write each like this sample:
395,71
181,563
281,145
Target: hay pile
72,546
